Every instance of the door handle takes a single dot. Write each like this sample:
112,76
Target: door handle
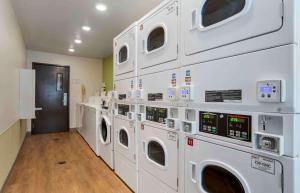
38,108
65,99
144,147
193,172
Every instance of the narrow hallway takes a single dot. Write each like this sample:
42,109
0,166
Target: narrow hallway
61,163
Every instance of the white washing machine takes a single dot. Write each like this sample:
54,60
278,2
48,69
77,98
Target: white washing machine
158,38
88,119
261,81
106,130
125,131
125,60
214,29
92,115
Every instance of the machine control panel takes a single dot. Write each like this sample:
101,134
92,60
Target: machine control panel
131,94
227,125
187,93
271,91
172,94
123,109
155,96
122,96
139,94
155,114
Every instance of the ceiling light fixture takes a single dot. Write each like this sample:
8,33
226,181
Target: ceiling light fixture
78,41
71,50
101,7
86,28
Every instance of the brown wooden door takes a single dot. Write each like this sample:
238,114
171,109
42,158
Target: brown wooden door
52,99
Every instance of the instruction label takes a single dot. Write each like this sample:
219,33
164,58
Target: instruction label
263,164
224,96
174,80
188,77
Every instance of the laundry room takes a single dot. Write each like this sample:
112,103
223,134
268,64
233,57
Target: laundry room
152,96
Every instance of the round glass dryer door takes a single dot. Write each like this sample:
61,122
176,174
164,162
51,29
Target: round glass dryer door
156,39
156,153
123,138
105,138
216,179
123,54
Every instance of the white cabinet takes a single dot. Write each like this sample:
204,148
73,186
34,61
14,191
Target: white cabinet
27,94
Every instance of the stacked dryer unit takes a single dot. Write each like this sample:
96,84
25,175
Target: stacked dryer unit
240,88
157,88
125,106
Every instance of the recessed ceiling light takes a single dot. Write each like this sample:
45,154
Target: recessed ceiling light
86,28
78,41
71,50
101,7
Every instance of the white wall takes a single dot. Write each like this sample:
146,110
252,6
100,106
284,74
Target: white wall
12,59
84,71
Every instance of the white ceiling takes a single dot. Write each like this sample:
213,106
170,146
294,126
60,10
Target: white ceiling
52,25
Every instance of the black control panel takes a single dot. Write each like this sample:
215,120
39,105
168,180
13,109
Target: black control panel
155,114
122,96
123,109
155,96
227,125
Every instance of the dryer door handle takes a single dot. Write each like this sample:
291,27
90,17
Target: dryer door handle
144,147
194,19
193,172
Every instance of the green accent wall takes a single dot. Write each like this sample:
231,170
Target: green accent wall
108,72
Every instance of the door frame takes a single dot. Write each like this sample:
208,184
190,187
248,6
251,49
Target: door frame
68,69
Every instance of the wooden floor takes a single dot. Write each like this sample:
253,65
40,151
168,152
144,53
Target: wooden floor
61,163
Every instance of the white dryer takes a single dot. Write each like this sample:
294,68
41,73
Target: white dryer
158,150
261,81
219,168
245,152
105,134
214,29
161,87
125,132
125,146
125,53
158,38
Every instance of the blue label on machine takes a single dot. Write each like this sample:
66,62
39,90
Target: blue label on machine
188,73
174,76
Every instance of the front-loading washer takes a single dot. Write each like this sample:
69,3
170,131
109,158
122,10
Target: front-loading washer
158,38
105,134
125,46
214,29
261,81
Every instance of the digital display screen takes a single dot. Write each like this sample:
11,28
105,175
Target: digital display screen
184,92
266,89
208,116
236,120
138,93
171,93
